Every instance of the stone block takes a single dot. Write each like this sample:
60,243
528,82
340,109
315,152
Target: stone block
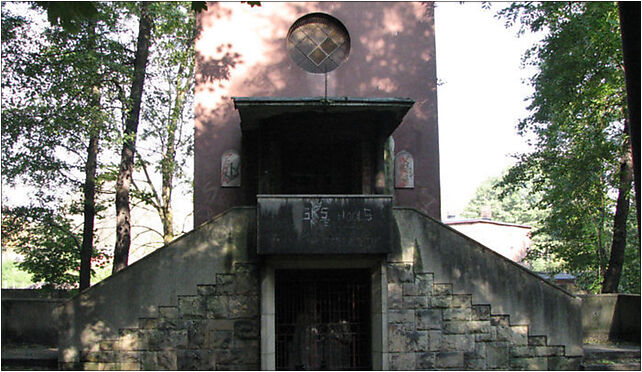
456,326
128,339
480,326
401,361
178,338
529,364
243,344
537,340
133,366
457,314
521,351
206,289
481,312
401,316
449,359
168,311
461,300
415,302
107,345
245,267
99,356
217,307
230,357
486,337
400,273
428,319
497,355
424,284
561,363
196,360
246,283
196,333
519,334
128,357
222,324
148,361
425,360
225,284
409,289
457,342
441,301
395,298
442,289
147,323
221,339
500,320
398,337
242,306
434,340
420,340
247,329
191,307
475,364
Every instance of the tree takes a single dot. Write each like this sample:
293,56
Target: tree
167,111
123,183
517,205
52,110
578,124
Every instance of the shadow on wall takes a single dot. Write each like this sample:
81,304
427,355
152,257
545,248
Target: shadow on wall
611,318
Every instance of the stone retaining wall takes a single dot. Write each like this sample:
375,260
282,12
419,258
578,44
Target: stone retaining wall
217,329
431,327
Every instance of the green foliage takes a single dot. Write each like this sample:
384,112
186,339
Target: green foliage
576,130
48,242
517,205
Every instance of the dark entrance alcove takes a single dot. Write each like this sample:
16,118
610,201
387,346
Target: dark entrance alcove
322,319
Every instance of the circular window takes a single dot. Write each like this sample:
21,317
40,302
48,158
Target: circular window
318,43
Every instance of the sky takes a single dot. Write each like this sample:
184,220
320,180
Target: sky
480,100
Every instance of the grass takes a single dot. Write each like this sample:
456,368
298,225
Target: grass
13,276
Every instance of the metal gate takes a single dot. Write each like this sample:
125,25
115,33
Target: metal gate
322,319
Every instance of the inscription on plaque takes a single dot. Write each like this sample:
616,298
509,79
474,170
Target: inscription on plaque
324,224
231,169
404,170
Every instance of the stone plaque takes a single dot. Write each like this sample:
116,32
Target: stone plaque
404,170
231,169
324,224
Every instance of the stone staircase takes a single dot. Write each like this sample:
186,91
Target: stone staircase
611,358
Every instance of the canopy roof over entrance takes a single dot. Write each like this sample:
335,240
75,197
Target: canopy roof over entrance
384,113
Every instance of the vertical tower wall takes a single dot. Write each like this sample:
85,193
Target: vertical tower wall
241,51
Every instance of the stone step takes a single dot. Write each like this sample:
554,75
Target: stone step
611,353
537,340
191,307
206,289
481,312
442,289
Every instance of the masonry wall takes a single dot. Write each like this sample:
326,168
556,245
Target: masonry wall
491,279
122,312
241,51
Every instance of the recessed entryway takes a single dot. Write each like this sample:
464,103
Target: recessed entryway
323,319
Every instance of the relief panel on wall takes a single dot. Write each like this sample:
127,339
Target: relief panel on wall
231,169
404,170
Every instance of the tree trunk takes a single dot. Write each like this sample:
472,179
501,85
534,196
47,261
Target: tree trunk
89,187
123,217
614,270
89,190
